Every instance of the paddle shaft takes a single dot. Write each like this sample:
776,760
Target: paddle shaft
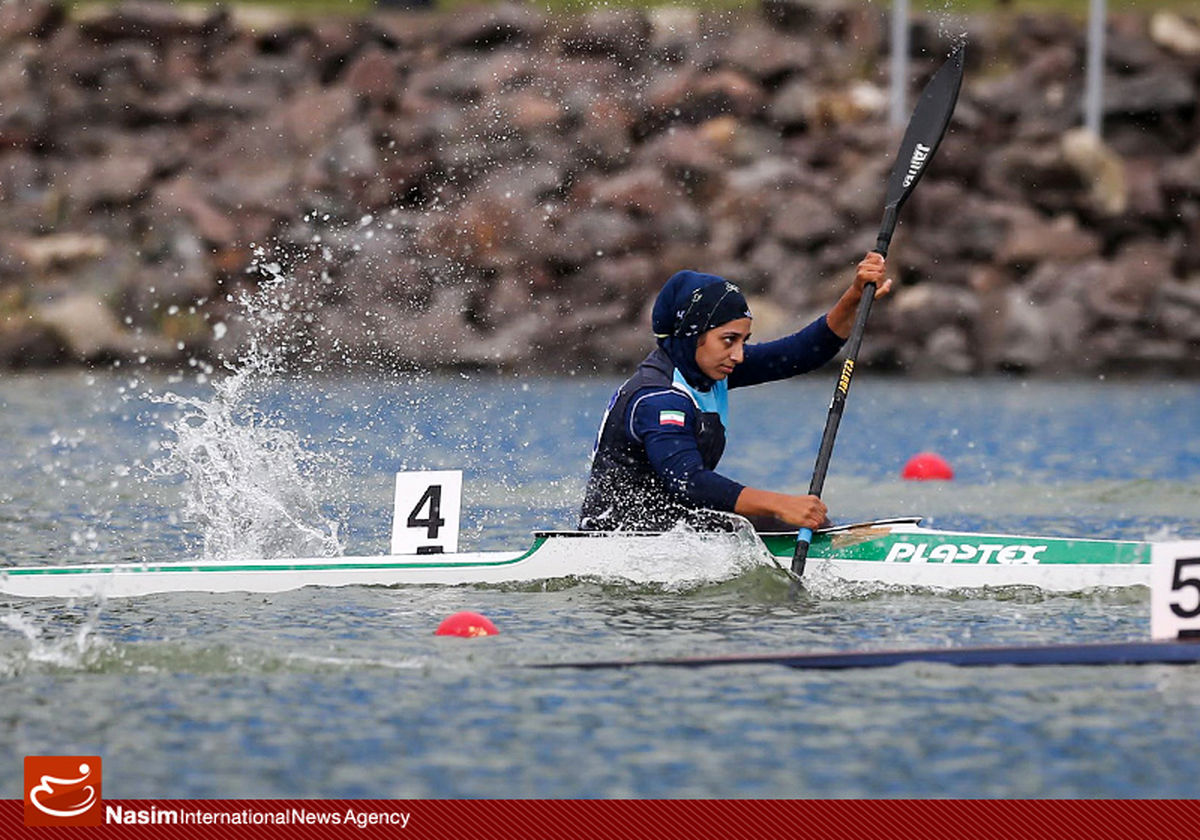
836,407
924,134
838,404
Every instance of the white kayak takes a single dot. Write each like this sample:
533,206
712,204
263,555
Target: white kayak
897,552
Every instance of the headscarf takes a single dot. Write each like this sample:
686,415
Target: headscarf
690,304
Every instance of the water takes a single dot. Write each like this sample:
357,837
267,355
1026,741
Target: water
347,692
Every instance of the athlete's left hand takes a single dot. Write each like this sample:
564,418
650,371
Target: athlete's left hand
872,269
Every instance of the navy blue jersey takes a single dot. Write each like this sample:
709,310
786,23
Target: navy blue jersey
661,439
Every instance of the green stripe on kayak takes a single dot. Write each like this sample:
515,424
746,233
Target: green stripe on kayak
912,548
325,565
968,549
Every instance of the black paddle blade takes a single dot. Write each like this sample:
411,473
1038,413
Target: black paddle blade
925,130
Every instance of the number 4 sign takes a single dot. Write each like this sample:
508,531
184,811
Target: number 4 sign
425,516
1175,590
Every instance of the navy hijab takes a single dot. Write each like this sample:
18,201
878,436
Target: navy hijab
690,304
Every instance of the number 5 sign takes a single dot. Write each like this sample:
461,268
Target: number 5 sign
425,517
1175,590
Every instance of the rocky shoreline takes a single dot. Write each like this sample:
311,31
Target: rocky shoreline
497,188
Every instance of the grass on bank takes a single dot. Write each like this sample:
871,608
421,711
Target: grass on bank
933,7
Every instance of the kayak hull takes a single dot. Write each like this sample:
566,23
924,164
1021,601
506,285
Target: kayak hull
891,553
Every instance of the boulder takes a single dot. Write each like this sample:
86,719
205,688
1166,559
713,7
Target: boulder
642,191
603,138
486,27
186,196
800,16
26,114
1060,240
28,343
1037,90
622,34
767,54
917,312
1100,168
313,116
1144,184
632,279
1181,176
804,220
771,321
795,105
1188,260
531,112
948,350
854,104
696,97
1129,282
952,221
590,234
1176,33
673,31
91,332
118,179
688,157
1154,93
38,19
155,23
350,158
60,250
1126,46
374,75
1036,173
1176,311
1126,349
789,274
1024,339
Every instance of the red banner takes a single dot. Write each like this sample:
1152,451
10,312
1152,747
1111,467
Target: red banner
143,819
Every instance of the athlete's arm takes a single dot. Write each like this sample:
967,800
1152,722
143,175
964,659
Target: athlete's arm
665,424
817,343
802,511
792,355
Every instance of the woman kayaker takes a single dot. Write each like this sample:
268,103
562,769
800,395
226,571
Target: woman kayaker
664,431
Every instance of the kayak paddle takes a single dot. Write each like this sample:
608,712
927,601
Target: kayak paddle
925,130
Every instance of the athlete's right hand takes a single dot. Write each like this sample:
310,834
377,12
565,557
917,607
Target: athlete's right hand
801,511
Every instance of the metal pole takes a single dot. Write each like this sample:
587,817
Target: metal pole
1093,102
899,64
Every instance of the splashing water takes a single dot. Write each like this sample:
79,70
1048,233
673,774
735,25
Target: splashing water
679,560
951,26
249,483
75,650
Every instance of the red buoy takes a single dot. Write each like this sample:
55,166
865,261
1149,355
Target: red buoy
468,625
927,466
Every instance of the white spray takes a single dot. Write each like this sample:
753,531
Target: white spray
248,482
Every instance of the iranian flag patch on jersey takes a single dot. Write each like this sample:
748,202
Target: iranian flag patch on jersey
670,418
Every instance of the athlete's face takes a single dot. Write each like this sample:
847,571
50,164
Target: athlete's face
721,349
